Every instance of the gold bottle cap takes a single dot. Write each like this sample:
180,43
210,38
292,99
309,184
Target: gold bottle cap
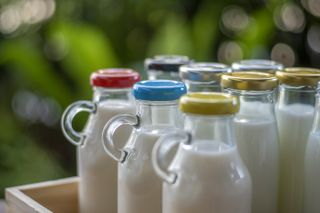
299,76
249,81
209,103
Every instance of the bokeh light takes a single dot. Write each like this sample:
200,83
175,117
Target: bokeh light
313,38
24,12
312,6
229,51
290,18
284,54
33,108
9,20
234,19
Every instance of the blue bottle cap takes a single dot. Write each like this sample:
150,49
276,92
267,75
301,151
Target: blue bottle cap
159,90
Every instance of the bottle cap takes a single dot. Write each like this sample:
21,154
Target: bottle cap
114,78
159,90
166,63
255,81
203,72
207,103
257,65
299,76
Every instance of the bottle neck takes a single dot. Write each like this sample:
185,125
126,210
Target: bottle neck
159,114
255,104
295,95
210,128
102,94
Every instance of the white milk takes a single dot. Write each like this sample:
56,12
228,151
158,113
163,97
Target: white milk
312,175
259,108
257,141
294,124
211,178
98,172
139,188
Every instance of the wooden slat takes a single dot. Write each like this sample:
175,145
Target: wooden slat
58,196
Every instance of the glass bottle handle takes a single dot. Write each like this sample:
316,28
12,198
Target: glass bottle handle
161,149
76,138
108,131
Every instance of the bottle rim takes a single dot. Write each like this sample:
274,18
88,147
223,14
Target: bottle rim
114,78
203,71
159,90
299,76
255,81
257,65
209,103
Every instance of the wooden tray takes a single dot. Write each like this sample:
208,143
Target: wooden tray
59,196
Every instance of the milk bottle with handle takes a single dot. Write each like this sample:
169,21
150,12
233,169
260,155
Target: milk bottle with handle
295,112
257,134
165,67
203,77
98,172
257,65
312,159
139,189
207,173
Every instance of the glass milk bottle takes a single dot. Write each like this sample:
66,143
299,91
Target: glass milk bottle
203,77
98,172
206,173
312,159
165,66
260,65
295,113
139,189
257,134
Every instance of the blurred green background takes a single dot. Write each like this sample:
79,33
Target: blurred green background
49,47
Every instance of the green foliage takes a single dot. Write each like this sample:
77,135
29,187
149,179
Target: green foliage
172,38
25,57
257,34
21,160
205,29
86,49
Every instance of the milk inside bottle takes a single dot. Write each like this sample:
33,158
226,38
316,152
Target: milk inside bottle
165,67
98,172
312,159
139,189
257,134
207,173
203,77
257,65
295,112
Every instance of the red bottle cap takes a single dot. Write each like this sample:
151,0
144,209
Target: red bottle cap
114,78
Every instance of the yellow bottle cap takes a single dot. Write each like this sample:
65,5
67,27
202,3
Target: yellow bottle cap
249,81
299,76
208,103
